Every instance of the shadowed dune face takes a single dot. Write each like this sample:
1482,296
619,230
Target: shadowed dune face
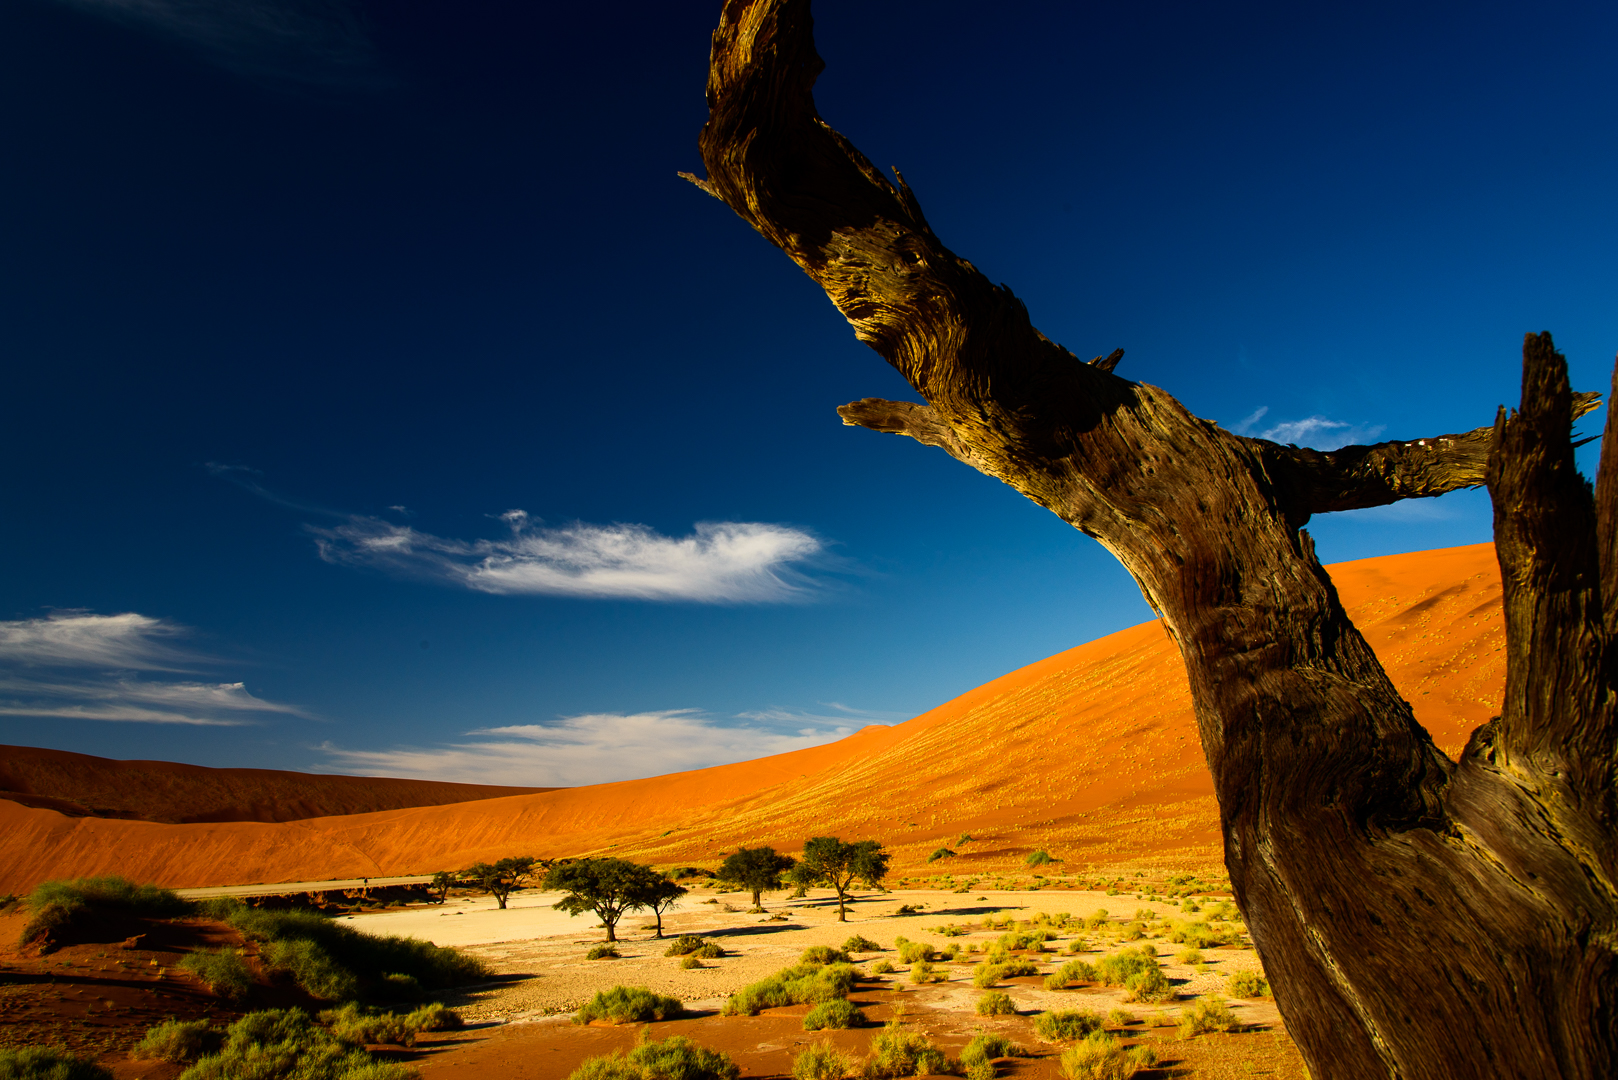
1091,754
79,785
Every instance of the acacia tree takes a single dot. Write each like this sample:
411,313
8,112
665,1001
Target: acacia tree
756,870
659,892
1419,917
608,887
498,879
830,862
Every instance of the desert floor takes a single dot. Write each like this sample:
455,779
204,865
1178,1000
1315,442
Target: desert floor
522,1028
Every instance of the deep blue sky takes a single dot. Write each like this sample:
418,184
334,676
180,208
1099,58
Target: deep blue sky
271,271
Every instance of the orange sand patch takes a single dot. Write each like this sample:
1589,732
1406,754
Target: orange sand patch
1091,754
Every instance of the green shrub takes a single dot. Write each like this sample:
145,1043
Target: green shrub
996,1003
1100,1057
860,944
997,954
911,951
838,1013
602,952
224,972
941,853
1209,1014
1198,935
398,987
323,956
55,907
978,1055
1149,985
1248,984
896,1052
686,944
805,984
1018,968
179,1041
48,1063
675,1058
823,954
628,1005
1115,970
285,1044
1122,1018
922,972
1077,945
1191,958
1097,920
822,1061
434,1017
1066,1024
311,967
882,967
1039,858
1076,971
691,963
987,975
368,1027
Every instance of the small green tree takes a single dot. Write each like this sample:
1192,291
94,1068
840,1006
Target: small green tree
660,895
608,887
756,870
501,878
828,861
441,884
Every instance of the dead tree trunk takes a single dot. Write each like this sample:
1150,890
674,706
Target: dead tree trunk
1418,917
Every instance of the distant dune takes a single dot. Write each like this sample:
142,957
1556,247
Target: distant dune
1091,754
80,785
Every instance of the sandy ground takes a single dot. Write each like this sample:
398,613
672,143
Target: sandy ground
521,1029
552,975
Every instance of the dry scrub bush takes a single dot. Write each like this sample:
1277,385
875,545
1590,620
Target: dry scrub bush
179,1041
882,967
1122,1018
286,1044
628,1005
823,954
690,963
822,1061
1150,985
922,972
1066,1024
896,1053
805,984
602,952
1191,958
987,975
1100,1057
1039,858
860,944
839,1013
1209,1014
978,1055
675,1058
1199,935
48,1063
1248,984
996,1003
911,951
1098,920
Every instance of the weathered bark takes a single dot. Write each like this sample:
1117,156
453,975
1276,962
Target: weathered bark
1418,917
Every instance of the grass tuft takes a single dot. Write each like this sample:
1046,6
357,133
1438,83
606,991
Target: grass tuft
628,1005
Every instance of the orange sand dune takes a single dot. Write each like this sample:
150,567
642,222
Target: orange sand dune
1091,754
79,785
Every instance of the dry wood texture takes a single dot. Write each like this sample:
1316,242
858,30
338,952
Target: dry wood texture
1419,918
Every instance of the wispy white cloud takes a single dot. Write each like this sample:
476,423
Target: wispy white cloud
597,748
318,42
80,666
1319,432
720,562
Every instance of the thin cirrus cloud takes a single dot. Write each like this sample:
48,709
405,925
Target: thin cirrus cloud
598,748
719,562
311,42
1319,432
75,665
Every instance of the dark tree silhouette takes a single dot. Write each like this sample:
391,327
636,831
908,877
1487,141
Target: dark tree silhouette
830,862
441,884
608,887
1418,917
499,879
756,870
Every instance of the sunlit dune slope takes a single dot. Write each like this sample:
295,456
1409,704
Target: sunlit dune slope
1091,754
80,785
